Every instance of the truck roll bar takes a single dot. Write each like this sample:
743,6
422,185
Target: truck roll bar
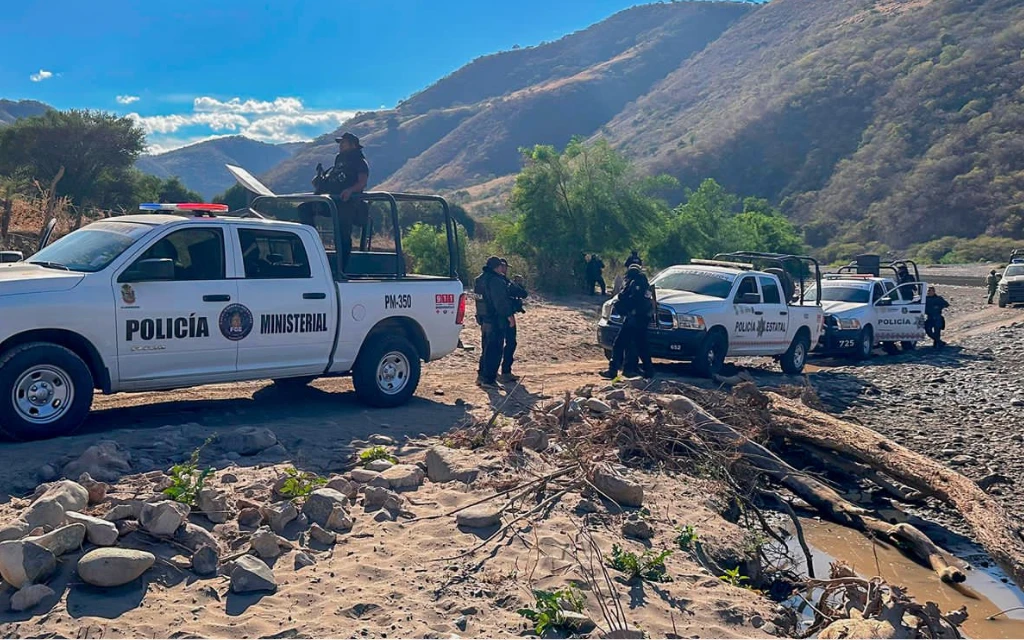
801,264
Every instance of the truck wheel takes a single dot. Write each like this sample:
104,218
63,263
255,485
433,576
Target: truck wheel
796,356
293,384
1002,302
387,371
710,356
890,348
908,345
865,344
45,391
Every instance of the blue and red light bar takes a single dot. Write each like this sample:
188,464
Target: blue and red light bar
184,207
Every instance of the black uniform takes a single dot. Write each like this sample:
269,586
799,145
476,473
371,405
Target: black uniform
634,305
594,276
516,294
633,259
903,276
934,323
343,175
493,310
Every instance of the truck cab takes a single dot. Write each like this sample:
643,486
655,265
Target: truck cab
708,310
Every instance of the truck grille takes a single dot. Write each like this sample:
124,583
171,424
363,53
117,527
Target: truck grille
663,320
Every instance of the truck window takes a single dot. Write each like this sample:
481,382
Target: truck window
879,292
198,254
93,248
747,286
770,290
705,283
273,255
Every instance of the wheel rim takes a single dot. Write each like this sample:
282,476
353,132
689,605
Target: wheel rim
712,356
393,373
799,353
865,345
43,394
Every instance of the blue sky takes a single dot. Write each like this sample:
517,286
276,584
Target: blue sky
276,71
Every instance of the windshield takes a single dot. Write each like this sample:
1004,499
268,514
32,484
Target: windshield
91,249
840,294
1014,270
705,283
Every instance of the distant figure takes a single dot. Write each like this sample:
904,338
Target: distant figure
934,323
634,258
595,269
346,178
634,305
993,284
516,293
903,276
494,311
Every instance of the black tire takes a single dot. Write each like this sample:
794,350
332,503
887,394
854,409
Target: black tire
710,356
908,345
62,382
1002,302
404,373
293,384
890,348
795,358
865,344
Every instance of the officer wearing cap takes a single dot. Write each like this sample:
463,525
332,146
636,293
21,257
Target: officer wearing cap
516,293
494,311
345,179
635,305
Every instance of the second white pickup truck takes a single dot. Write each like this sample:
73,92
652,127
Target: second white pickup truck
180,298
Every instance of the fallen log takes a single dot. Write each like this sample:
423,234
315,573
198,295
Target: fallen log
991,525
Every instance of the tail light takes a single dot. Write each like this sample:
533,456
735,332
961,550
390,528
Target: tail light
460,315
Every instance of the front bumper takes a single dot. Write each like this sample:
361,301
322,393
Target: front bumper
835,340
1013,294
668,344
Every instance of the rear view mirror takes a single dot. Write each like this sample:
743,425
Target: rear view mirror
748,298
150,270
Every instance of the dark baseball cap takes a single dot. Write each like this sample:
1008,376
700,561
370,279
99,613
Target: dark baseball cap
493,262
351,137
504,261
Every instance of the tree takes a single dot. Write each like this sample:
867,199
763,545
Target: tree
172,190
95,149
426,248
236,197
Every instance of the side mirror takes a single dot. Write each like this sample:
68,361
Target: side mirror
150,270
748,298
11,256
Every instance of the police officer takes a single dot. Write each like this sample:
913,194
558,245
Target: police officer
634,305
516,293
494,311
634,258
347,178
595,269
993,284
934,323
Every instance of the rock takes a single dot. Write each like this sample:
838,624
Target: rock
379,465
47,473
403,476
252,574
193,536
214,505
320,504
205,561
321,535
858,628
44,512
29,596
228,478
127,511
377,497
383,516
535,439
382,440
248,441
379,482
250,517
279,514
445,465
105,461
756,621
101,533
636,527
265,543
303,560
479,517
62,540
461,623
97,490
276,451
126,527
619,395
597,406
576,621
339,520
15,530
113,567
963,460
622,490
344,486
586,505
163,518
23,563
70,495
363,475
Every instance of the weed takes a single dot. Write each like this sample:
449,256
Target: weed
647,566
300,483
686,538
187,480
546,613
376,453
733,577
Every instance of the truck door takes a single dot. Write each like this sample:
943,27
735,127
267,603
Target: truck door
900,318
287,303
748,313
775,332
168,301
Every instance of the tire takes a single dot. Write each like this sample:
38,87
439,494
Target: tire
387,371
890,348
45,391
711,355
1002,302
865,343
293,384
908,345
795,358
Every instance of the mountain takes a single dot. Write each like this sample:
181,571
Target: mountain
11,110
201,166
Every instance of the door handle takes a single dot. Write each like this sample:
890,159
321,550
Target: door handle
783,313
759,313
217,297
314,296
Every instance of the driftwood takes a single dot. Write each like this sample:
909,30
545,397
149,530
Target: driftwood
992,527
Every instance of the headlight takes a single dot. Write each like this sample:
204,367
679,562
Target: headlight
848,323
606,310
688,321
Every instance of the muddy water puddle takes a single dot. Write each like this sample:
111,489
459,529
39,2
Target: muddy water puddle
984,593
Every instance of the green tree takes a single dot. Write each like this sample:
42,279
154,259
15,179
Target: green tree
173,190
236,197
426,250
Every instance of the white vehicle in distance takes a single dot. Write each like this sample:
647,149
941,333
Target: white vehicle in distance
710,309
1011,285
179,297
864,308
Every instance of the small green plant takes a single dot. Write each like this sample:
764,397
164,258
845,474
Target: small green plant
733,577
687,537
546,613
300,483
187,480
648,566
376,453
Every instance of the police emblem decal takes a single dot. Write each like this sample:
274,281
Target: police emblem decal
235,322
127,294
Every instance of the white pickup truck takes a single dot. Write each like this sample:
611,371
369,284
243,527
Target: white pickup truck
710,309
866,309
181,297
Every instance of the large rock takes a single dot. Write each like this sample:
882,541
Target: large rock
130,510
62,540
101,533
378,497
194,537
113,567
403,476
321,535
379,465
214,505
479,517
70,495
266,543
252,574
859,628
279,514
339,520
205,561
344,486
15,530
320,504
445,465
248,441
105,461
29,596
97,490
23,563
250,517
364,475
622,490
44,512
636,527
597,406
535,439
163,518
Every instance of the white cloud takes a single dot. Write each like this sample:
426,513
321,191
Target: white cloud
236,105
42,75
172,123
127,99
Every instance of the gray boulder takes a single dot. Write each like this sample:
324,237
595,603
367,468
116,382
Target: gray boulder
214,505
29,596
320,504
535,439
24,563
205,561
636,527
101,533
597,406
194,537
71,495
44,512
97,490
15,530
445,465
249,441
364,475
344,486
379,465
113,567
279,514
378,497
250,517
265,543
403,476
252,574
163,518
622,490
339,520
303,560
130,510
321,535
479,517
105,461
61,540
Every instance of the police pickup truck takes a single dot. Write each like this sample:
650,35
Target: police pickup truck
1011,285
178,297
864,308
710,309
